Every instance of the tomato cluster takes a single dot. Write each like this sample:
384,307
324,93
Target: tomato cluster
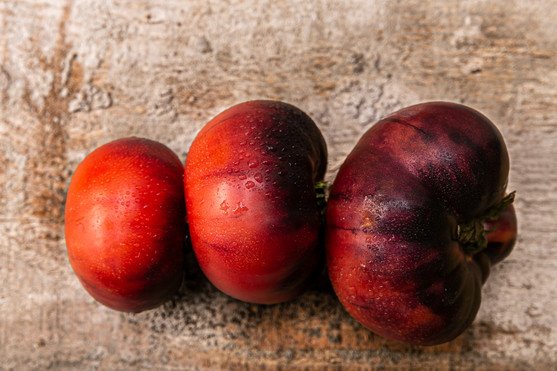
416,216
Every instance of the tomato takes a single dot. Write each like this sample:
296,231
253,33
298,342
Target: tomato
251,204
125,224
416,217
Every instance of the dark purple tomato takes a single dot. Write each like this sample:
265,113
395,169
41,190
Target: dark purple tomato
251,204
124,224
416,217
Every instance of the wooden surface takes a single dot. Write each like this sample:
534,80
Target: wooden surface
77,74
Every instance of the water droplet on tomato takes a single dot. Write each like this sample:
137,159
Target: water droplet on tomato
250,184
242,176
240,208
253,163
258,177
224,207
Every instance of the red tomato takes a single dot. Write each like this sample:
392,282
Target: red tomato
125,226
251,204
416,217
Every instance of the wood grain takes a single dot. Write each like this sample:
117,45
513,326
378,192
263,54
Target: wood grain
77,74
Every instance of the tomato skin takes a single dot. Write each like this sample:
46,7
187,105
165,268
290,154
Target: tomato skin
394,255
251,204
501,235
124,224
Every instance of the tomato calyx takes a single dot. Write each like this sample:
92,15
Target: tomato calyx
321,197
472,235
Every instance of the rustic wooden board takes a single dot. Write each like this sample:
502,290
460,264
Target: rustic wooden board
77,74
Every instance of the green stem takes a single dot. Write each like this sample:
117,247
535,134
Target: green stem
320,194
472,234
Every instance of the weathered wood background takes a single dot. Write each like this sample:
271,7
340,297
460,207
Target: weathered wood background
77,74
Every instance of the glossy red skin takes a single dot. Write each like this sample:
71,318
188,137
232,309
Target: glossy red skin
125,226
251,204
392,251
